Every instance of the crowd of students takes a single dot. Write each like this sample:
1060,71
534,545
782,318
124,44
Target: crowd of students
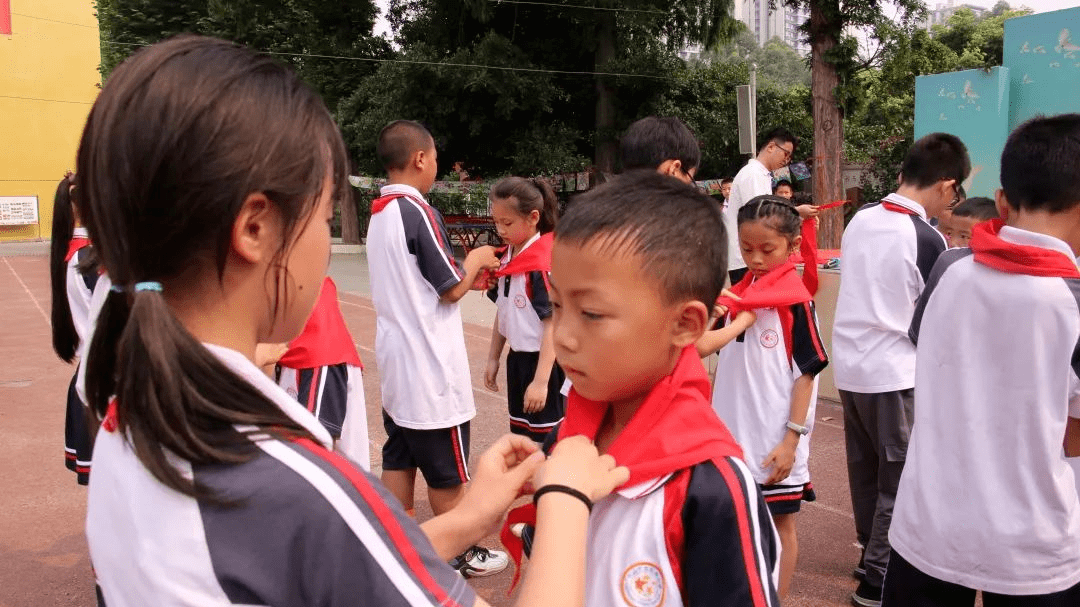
230,456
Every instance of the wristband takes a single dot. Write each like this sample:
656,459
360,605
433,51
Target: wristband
562,489
797,429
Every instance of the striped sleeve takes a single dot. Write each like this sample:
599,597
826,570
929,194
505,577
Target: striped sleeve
807,349
305,527
428,240
731,550
538,293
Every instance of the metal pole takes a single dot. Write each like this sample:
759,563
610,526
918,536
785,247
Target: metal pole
753,100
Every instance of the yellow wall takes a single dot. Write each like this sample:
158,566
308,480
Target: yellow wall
48,80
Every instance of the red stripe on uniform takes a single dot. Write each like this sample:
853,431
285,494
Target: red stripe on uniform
445,246
69,456
814,337
784,497
743,518
455,437
674,530
386,518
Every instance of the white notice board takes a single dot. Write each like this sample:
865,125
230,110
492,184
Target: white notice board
18,210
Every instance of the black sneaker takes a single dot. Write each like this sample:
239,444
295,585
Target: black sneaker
866,595
480,562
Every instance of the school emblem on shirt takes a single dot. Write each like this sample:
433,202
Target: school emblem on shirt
643,585
519,301
769,338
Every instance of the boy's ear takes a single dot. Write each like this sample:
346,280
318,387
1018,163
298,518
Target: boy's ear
670,167
256,231
1002,205
796,242
419,159
691,320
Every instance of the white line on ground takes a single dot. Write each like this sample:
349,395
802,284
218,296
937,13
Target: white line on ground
838,511
27,289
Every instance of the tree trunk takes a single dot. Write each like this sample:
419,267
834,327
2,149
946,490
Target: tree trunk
828,125
350,222
606,144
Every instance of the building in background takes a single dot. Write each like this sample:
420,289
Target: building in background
783,22
941,14
49,53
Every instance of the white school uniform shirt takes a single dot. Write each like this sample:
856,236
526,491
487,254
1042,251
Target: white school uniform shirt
753,383
522,309
752,180
78,294
308,528
419,339
886,258
987,499
97,301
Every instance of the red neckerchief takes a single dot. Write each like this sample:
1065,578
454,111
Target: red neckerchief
325,340
896,208
76,243
535,257
990,250
675,428
380,203
808,250
781,288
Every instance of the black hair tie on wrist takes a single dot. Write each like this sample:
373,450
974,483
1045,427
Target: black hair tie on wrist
562,489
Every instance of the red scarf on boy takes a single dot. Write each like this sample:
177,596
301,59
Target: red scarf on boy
990,250
325,339
781,288
74,245
674,429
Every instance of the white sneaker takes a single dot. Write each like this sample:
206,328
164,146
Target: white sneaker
480,562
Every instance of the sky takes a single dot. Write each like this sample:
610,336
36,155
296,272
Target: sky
1039,6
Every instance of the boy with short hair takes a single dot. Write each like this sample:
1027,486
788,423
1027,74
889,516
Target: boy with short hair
887,252
783,189
419,341
663,144
966,215
987,501
690,526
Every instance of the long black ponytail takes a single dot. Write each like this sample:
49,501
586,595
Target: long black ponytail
65,339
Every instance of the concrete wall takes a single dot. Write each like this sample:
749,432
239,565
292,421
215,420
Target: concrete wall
48,81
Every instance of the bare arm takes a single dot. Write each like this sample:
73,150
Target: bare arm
711,341
1072,438
536,393
498,342
478,259
782,457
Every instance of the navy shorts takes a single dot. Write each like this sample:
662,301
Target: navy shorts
442,455
78,446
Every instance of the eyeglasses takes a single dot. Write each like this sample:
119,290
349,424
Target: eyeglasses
787,152
958,195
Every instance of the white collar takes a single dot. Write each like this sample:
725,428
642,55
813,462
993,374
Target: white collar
760,165
80,232
907,203
644,488
1035,239
402,189
240,365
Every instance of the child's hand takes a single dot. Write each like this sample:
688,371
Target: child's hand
718,312
483,257
491,375
727,293
745,318
807,210
781,459
535,396
576,463
499,477
269,354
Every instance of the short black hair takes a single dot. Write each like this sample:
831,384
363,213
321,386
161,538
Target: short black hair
935,157
675,229
783,182
779,135
653,139
399,140
979,207
1039,165
726,180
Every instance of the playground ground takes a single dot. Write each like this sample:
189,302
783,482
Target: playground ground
42,542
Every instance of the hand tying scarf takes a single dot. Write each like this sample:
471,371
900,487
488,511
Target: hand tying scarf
990,250
781,288
675,428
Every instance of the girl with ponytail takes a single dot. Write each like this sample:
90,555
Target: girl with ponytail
73,274
211,485
525,211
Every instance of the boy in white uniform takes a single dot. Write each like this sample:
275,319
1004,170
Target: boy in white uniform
419,341
888,251
986,500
